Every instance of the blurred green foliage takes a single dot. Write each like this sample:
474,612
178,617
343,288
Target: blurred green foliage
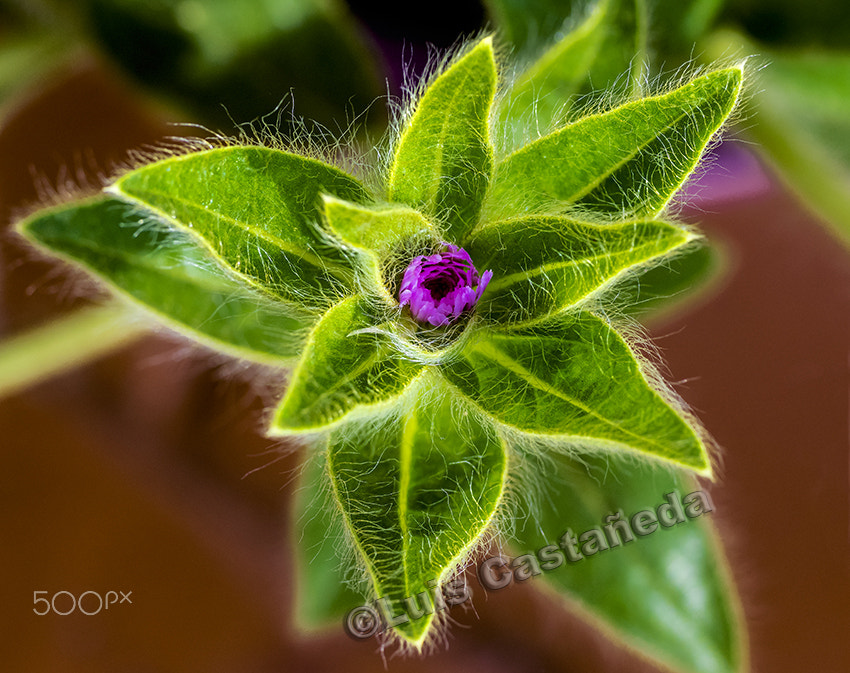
221,62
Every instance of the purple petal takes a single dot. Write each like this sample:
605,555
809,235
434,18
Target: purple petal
439,287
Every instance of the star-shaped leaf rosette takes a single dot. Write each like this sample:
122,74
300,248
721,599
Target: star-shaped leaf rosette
443,325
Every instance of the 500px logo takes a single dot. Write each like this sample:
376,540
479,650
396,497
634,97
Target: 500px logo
68,602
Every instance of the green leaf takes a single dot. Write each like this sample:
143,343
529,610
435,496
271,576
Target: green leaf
380,236
629,161
677,26
791,22
545,87
666,593
546,264
673,284
608,44
621,62
379,230
322,595
36,354
574,378
170,275
26,58
417,490
801,119
256,209
443,157
231,61
342,369
524,22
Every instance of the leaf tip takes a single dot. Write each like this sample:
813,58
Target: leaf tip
284,421
21,227
679,236
416,636
737,72
483,49
289,417
122,188
34,226
701,465
735,80
116,186
700,462
690,239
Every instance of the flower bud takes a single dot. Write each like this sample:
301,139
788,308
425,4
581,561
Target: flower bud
439,287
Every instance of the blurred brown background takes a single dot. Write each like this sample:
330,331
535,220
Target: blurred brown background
146,471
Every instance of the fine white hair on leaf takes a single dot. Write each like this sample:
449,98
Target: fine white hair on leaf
351,569
528,456
414,85
280,129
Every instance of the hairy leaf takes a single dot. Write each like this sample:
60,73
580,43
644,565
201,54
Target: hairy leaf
378,230
546,264
671,285
665,592
169,274
322,594
607,47
628,161
377,233
443,158
802,123
417,490
257,210
341,370
574,378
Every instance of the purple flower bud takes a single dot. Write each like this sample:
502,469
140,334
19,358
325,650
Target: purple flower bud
439,287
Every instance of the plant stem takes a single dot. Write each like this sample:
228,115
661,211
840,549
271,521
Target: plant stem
60,345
